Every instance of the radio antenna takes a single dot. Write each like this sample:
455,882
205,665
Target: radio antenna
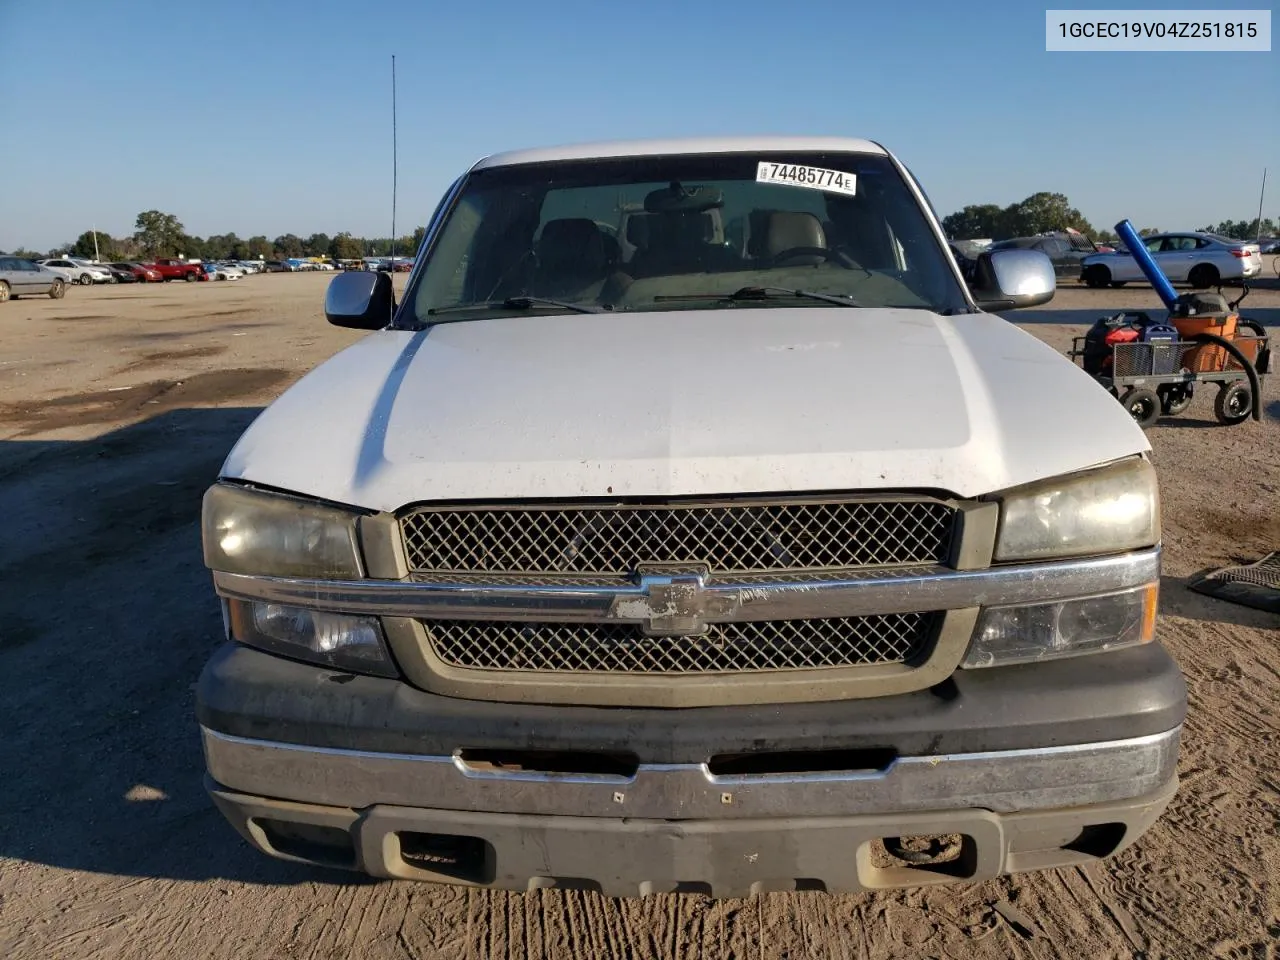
1261,197
394,165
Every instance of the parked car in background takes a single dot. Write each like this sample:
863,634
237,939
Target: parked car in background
1200,259
274,266
969,249
170,268
19,278
119,274
141,272
1067,250
73,271
221,271
96,268
249,266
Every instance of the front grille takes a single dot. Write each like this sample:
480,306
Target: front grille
726,648
728,537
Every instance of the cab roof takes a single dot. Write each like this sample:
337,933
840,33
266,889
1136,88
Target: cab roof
649,148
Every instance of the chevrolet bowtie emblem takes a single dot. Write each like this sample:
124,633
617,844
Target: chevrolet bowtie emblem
676,605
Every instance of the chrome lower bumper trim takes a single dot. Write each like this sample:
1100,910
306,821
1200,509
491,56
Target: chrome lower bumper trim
1002,781
674,601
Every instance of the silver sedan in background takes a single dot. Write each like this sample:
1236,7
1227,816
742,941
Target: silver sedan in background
20,277
1200,259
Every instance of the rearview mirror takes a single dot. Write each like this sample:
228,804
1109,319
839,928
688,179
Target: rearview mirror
1012,279
362,301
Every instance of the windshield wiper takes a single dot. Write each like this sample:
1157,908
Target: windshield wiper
761,293
517,303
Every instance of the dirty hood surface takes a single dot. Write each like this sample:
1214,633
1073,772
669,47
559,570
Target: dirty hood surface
694,402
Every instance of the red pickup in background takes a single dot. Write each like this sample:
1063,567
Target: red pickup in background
171,269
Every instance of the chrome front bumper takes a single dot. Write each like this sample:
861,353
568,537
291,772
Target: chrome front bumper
676,827
1001,781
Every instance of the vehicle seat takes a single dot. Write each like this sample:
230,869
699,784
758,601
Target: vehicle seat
788,230
572,259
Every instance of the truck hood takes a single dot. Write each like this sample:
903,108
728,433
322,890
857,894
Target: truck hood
695,402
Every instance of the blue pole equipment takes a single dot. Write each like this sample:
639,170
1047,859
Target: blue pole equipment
1148,265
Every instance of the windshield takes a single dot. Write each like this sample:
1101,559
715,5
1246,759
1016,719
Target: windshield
643,233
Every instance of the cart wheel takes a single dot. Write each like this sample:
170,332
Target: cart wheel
1175,398
1143,405
1234,402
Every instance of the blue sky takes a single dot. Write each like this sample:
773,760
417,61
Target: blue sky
274,117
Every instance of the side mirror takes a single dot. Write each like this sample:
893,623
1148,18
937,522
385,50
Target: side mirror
362,301
1012,279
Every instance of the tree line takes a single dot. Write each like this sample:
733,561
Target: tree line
1046,212
158,234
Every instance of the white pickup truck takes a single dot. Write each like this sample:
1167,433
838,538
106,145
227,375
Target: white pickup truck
689,525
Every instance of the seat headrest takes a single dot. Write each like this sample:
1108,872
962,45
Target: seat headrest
788,230
569,234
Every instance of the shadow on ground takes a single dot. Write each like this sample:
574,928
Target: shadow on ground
1176,599
106,618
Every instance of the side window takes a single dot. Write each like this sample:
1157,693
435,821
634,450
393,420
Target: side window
1201,243
1154,245
8,263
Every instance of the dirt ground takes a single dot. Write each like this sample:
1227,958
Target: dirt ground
117,406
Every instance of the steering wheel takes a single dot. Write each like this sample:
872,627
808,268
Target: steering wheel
827,255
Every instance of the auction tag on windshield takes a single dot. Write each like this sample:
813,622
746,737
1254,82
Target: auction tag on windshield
815,178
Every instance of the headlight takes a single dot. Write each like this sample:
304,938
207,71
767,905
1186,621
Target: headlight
1107,510
268,534
1047,631
337,640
